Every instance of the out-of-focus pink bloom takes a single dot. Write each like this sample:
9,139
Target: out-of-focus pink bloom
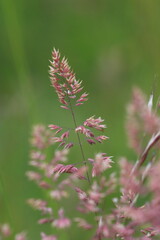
87,204
133,185
141,216
123,231
39,204
81,194
34,176
145,238
49,170
111,183
41,137
144,215
102,230
83,223
40,165
154,179
100,163
58,194
61,222
48,237
36,155
80,174
44,184
133,132
21,236
95,123
5,230
95,193
150,231
45,220
61,155
141,118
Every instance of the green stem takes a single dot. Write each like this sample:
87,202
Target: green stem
79,140
144,155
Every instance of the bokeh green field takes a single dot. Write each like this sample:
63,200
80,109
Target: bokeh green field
111,45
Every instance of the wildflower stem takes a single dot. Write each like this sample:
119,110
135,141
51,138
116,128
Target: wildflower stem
150,144
79,140
144,155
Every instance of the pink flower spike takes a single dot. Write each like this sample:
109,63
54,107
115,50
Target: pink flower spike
61,222
78,104
84,131
69,145
74,96
84,95
63,79
82,99
65,135
102,138
57,139
64,107
60,168
53,127
100,164
95,123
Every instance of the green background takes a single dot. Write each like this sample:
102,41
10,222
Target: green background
111,45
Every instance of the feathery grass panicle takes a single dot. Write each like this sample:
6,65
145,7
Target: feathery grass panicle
126,220
135,192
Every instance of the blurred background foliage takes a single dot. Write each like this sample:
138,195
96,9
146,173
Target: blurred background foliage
111,45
